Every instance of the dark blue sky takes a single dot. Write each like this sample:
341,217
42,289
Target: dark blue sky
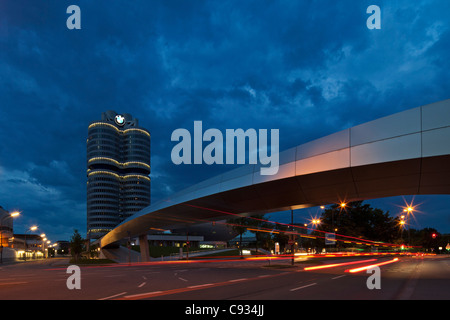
308,68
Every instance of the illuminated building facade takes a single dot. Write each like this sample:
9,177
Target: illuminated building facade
6,227
118,168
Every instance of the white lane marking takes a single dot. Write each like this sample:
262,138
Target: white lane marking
235,280
339,277
142,284
142,294
201,285
308,285
110,297
182,279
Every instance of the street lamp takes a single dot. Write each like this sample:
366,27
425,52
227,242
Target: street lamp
15,214
292,237
11,215
409,210
44,239
341,206
402,225
33,228
46,242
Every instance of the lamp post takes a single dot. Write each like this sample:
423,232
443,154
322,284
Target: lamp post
315,222
11,215
402,225
44,239
292,236
33,228
342,206
408,211
48,244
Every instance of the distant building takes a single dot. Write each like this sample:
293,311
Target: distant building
118,168
174,240
62,247
29,245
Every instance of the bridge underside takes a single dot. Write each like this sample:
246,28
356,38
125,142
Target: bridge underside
407,153
407,177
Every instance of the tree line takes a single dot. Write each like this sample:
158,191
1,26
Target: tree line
357,220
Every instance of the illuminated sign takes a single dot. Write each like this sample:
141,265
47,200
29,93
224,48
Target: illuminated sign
120,120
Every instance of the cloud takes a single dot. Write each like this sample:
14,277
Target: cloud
44,200
308,68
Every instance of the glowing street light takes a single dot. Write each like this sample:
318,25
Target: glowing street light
14,214
409,211
32,228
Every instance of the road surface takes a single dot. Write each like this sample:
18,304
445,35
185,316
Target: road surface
408,278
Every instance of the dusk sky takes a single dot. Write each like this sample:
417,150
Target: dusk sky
306,67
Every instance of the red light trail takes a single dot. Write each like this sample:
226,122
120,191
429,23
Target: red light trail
356,240
371,266
337,265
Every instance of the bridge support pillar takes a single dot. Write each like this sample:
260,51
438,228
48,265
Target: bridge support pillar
145,251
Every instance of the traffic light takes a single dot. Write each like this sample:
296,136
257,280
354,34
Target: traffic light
434,235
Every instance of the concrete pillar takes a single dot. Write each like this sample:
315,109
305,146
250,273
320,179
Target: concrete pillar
145,251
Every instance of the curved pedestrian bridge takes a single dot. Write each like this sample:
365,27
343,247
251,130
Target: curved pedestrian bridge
407,153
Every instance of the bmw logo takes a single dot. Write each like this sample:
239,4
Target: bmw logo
120,120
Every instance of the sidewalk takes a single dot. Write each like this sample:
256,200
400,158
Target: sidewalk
124,255
56,261
175,257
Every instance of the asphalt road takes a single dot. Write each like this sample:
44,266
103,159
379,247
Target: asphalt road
424,278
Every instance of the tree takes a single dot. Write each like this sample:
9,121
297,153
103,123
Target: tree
263,237
280,235
425,239
362,221
239,226
76,245
94,251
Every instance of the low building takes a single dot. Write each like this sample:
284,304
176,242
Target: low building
28,246
173,240
62,247
6,228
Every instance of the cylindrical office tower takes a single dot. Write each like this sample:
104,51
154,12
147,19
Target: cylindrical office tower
118,168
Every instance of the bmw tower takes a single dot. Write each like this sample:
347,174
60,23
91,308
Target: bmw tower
118,168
